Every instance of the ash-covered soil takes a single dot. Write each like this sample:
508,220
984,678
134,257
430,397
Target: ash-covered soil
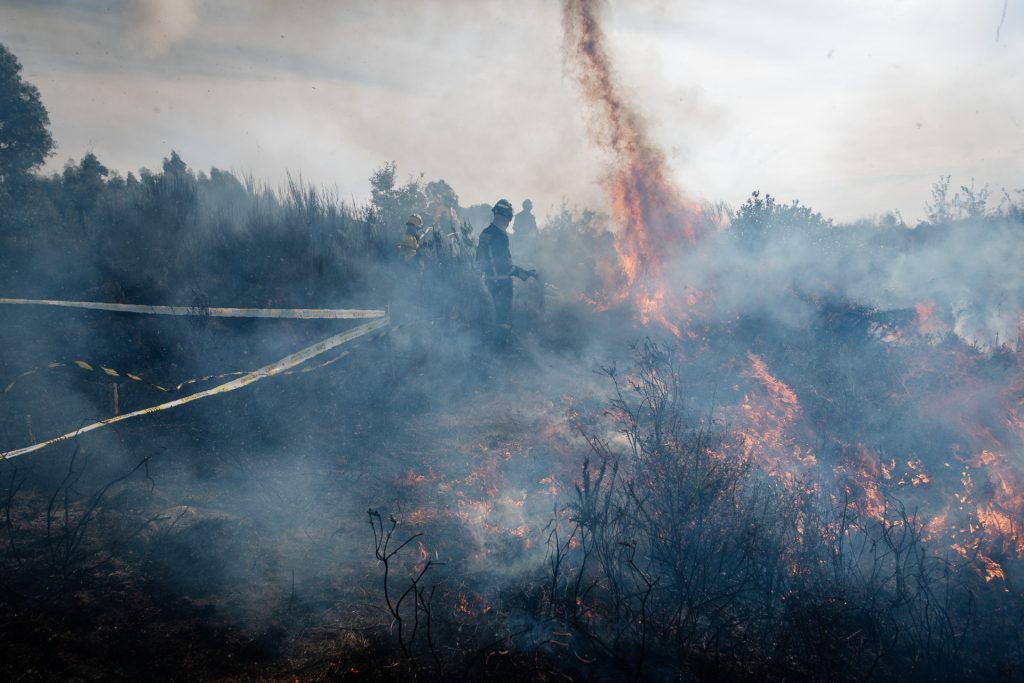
241,548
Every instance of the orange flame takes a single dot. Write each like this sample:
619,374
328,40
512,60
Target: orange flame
654,219
424,557
927,322
765,426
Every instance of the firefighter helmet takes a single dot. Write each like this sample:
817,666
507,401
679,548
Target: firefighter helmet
504,208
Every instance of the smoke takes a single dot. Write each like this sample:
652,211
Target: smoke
268,487
669,255
786,282
1002,19
653,217
158,25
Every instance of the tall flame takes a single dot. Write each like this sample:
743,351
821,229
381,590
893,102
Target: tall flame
980,513
654,219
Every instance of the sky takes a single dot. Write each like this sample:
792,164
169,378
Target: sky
853,107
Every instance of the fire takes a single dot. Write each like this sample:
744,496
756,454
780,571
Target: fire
463,606
918,477
654,219
1000,516
421,516
657,225
993,570
551,485
414,479
927,322
766,423
424,557
866,471
471,604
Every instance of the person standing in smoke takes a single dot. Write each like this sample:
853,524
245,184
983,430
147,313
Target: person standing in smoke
494,258
409,273
525,233
529,299
409,246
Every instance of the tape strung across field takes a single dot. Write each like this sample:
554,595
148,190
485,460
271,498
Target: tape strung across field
275,368
300,313
109,372
121,374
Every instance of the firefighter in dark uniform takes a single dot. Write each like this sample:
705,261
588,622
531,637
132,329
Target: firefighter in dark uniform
525,234
529,300
495,262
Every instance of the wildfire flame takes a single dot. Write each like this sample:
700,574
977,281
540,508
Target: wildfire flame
765,426
424,557
657,223
654,219
928,323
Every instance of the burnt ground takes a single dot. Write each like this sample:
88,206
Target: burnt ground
241,537
241,548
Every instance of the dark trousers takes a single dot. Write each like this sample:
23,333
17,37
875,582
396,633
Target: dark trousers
501,295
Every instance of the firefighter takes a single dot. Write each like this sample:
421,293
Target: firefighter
409,245
525,234
529,299
494,258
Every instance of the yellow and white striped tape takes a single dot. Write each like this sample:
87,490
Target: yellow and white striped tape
300,313
121,374
275,368
92,367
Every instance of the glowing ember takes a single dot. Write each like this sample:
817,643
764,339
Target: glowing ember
424,557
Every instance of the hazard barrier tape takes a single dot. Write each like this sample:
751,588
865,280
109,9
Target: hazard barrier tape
84,365
111,372
275,368
215,312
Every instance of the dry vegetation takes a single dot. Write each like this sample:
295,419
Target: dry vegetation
717,507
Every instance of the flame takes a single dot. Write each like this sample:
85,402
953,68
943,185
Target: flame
928,323
657,224
863,481
654,219
421,516
471,604
993,570
551,485
463,605
414,479
766,423
424,557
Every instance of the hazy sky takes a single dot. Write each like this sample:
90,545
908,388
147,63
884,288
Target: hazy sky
853,107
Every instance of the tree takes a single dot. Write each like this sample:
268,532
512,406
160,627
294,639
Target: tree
940,209
25,140
83,184
762,219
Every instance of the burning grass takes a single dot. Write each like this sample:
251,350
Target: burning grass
804,470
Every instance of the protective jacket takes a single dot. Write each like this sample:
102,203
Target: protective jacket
493,256
409,247
526,237
525,225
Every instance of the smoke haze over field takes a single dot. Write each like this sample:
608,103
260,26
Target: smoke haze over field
854,109
780,449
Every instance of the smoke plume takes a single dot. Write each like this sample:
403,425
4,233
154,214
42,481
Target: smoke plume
159,25
654,218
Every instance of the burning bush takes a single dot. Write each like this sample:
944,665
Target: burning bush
674,556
